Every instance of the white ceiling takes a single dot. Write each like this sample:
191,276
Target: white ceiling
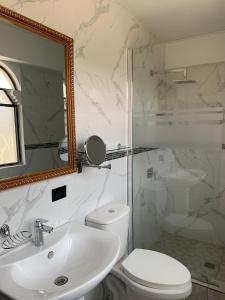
177,19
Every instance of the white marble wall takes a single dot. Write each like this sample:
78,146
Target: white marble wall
149,200
206,205
102,32
208,90
146,89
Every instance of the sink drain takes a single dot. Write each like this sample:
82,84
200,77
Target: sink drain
61,280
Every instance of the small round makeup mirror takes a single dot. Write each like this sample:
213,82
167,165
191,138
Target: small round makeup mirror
95,150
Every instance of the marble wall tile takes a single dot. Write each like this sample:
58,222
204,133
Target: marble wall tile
207,91
157,93
149,201
205,207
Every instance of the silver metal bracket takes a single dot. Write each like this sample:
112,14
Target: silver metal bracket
80,166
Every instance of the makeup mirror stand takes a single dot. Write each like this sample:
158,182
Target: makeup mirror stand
94,154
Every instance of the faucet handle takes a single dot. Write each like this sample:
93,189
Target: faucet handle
40,221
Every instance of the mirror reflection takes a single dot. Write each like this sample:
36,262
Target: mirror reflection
32,102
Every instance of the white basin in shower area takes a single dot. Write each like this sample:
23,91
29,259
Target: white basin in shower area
179,183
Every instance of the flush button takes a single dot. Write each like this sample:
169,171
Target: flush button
111,211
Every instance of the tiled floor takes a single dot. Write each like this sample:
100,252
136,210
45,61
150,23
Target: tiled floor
205,261
202,293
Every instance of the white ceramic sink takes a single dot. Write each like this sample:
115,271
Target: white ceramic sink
83,254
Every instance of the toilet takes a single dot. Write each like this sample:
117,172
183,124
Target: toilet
143,274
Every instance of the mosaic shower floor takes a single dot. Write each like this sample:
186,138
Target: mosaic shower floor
205,261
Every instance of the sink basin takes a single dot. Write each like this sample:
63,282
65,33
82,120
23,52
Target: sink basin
74,256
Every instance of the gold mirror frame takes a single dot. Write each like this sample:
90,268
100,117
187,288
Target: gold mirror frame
26,23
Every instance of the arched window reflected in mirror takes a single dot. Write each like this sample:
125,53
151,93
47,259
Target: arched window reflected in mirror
10,153
6,80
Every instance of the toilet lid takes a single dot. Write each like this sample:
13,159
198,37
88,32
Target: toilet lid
155,270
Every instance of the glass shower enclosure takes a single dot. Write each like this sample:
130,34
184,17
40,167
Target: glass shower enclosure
178,171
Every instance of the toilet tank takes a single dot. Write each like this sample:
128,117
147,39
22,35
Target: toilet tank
113,217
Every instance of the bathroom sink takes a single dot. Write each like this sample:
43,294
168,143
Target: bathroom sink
74,259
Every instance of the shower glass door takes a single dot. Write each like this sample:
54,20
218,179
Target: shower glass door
179,169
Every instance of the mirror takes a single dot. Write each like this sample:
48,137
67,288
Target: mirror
95,150
36,101
92,155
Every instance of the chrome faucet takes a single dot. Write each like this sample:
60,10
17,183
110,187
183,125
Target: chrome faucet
39,228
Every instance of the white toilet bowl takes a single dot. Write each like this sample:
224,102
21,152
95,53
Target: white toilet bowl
149,275
143,274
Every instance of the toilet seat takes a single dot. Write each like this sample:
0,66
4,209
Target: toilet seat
177,290
155,270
